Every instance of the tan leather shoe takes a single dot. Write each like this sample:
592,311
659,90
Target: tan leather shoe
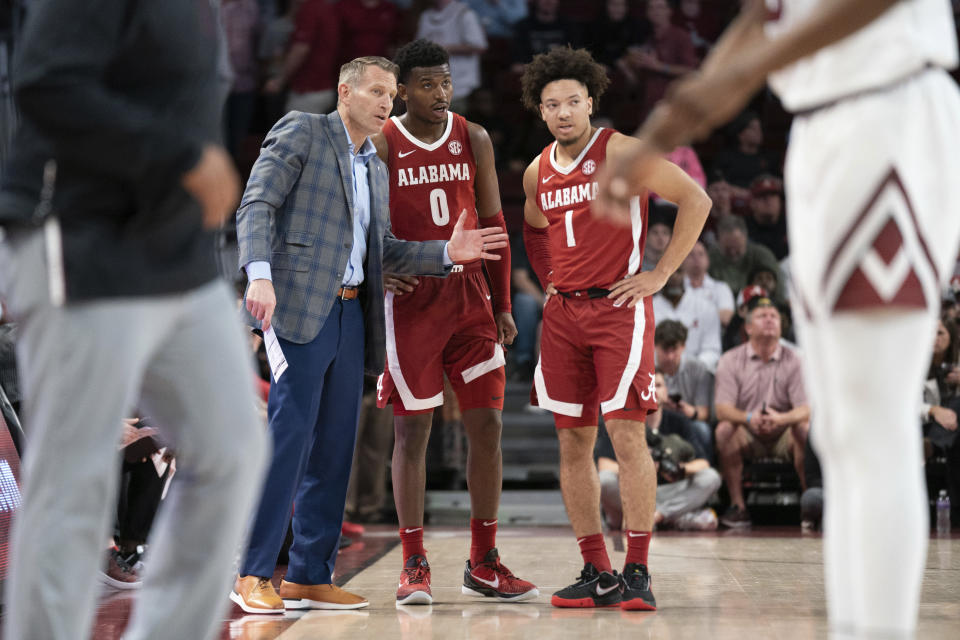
254,594
319,596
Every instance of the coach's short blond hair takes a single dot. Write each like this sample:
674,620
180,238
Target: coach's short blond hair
351,72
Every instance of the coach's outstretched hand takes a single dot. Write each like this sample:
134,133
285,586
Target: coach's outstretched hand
636,287
465,246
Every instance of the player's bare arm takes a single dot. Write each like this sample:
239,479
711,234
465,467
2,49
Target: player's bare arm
736,68
693,206
490,209
395,283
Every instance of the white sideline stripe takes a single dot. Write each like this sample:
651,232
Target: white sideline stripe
633,362
472,373
409,402
563,408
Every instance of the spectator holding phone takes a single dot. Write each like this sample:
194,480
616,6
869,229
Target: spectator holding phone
689,382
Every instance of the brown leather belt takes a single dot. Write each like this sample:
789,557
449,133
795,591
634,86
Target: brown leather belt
348,293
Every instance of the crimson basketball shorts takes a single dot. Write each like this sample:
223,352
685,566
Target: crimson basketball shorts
445,325
595,357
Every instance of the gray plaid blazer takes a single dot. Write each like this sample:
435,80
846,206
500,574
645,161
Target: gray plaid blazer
297,214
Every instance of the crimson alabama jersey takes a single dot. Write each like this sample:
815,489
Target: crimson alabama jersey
586,252
430,184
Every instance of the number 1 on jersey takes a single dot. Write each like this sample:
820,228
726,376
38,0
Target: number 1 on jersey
568,218
439,208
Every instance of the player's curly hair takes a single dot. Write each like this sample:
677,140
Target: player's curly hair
419,53
562,63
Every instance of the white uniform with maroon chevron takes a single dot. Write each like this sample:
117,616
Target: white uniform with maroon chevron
874,223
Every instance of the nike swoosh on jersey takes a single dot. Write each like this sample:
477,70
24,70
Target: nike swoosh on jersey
605,591
490,583
401,154
548,179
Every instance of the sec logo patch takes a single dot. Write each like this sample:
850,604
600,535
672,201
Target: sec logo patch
455,147
589,167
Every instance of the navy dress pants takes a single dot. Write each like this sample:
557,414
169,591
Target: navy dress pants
313,411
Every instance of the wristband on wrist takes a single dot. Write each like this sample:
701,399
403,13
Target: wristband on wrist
749,415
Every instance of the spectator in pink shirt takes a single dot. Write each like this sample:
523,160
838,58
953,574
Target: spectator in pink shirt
761,405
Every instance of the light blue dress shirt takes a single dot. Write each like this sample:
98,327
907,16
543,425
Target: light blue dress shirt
353,275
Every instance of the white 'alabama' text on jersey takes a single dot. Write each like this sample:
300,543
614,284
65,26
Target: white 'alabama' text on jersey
909,36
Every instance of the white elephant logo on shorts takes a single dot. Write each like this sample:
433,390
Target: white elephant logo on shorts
651,393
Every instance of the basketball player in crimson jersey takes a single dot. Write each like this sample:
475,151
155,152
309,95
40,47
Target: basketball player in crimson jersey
597,340
872,166
441,165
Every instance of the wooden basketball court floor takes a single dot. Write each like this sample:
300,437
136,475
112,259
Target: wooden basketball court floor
765,583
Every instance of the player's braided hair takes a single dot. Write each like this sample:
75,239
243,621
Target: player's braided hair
419,53
562,63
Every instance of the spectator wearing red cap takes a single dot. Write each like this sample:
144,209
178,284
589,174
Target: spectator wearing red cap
767,223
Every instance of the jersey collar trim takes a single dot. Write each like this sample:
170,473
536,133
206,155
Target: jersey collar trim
573,165
420,143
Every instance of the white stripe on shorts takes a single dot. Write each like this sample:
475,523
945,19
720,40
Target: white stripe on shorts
472,373
633,361
410,403
556,406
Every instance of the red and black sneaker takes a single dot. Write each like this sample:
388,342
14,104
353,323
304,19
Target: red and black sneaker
415,582
636,593
593,589
493,580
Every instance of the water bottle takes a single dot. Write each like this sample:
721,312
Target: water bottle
943,513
